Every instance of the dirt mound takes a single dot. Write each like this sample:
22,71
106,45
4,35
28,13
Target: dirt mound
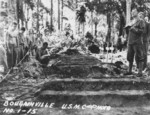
72,63
32,68
71,52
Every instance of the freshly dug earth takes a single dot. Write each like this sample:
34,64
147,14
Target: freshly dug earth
126,97
96,84
72,64
116,92
113,111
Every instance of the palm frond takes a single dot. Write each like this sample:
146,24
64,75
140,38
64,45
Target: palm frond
81,14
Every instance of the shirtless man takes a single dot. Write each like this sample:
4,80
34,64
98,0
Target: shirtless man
42,54
12,45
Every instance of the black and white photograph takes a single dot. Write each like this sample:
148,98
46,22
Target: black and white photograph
74,57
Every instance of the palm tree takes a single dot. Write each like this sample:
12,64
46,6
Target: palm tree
27,11
72,5
62,7
29,4
38,2
76,30
109,16
51,15
81,17
20,12
128,7
92,22
90,6
58,14
96,21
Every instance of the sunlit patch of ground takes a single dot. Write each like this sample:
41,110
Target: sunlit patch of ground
113,111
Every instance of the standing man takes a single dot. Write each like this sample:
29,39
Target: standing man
46,37
22,44
12,45
146,41
135,42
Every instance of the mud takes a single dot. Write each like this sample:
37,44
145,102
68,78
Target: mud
97,85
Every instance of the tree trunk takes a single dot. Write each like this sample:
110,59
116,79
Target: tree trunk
22,17
17,15
37,26
78,28
76,23
26,16
83,25
109,27
62,13
92,29
122,25
128,12
96,30
51,14
58,15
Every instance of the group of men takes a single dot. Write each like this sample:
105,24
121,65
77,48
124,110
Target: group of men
138,40
15,46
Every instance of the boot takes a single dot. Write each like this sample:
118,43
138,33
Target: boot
140,69
130,69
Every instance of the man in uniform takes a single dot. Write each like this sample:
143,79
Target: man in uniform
21,40
146,41
135,42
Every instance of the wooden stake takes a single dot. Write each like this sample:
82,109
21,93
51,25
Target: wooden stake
112,53
107,48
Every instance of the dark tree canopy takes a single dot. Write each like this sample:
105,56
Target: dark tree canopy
30,3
